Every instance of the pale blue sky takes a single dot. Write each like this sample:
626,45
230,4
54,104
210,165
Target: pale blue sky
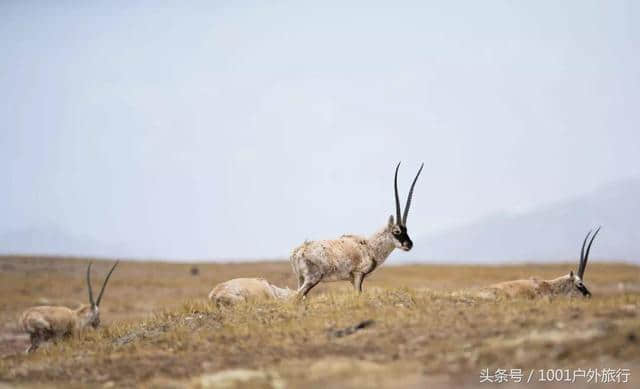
211,130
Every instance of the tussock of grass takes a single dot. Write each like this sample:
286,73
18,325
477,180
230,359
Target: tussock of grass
443,332
418,333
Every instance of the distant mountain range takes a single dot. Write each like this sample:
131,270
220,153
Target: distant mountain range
52,240
550,233
547,234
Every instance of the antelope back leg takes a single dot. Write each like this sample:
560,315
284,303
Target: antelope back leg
35,342
306,287
358,278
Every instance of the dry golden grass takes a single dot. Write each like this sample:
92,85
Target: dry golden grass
160,331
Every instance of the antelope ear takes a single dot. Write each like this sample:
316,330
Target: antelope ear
571,274
390,223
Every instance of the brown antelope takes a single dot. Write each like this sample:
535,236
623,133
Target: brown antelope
571,284
46,322
351,257
241,289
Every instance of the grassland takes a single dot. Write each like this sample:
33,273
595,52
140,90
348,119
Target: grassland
160,331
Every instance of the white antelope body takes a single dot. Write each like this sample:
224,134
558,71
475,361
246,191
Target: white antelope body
352,257
46,322
571,284
240,289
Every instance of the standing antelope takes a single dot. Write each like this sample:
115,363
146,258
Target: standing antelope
571,284
47,322
241,289
351,257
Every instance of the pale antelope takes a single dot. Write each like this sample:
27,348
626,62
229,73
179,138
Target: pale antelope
571,284
46,322
352,257
241,289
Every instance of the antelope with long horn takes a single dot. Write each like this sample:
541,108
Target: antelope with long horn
351,257
46,322
571,284
241,289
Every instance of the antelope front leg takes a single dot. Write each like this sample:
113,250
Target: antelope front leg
358,278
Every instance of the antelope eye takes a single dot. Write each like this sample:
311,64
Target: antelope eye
396,231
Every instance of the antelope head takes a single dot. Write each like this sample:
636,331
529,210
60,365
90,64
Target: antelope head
577,279
398,228
90,315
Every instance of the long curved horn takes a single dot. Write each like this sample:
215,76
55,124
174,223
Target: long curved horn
395,187
105,283
586,254
408,204
89,285
581,264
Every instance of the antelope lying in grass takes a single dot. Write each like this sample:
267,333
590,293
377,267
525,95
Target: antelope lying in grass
571,284
46,322
241,289
351,257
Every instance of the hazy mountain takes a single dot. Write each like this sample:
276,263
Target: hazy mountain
550,233
52,240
